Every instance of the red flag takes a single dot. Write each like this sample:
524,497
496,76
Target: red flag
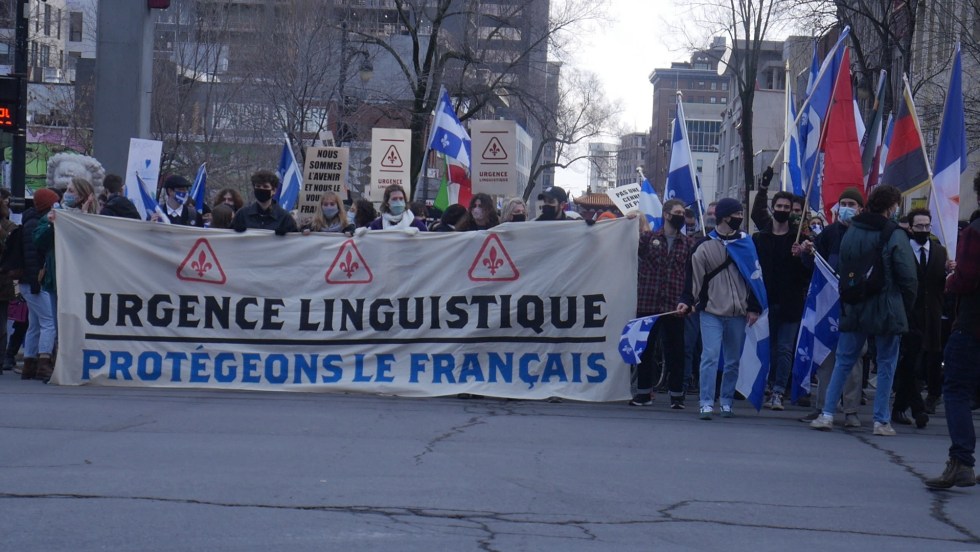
457,175
842,166
906,167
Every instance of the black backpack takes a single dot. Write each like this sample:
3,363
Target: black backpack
12,260
864,277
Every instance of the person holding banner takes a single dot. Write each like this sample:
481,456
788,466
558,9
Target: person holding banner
555,204
330,217
661,276
362,212
264,213
449,219
117,204
178,203
515,210
481,215
395,214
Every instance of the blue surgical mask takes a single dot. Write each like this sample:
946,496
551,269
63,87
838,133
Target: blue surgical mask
70,200
351,215
180,197
330,212
396,207
845,214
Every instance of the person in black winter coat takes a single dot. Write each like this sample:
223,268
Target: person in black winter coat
117,204
264,213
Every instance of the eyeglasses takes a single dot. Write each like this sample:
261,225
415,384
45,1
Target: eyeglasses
922,227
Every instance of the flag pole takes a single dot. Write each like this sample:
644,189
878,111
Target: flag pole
786,130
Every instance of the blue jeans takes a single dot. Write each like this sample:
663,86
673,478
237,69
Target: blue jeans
959,388
41,332
720,334
783,346
848,351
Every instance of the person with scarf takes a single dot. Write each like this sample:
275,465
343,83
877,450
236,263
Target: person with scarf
330,217
395,214
718,286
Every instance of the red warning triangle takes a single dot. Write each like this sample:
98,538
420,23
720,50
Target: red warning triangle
201,265
392,159
495,150
493,264
349,267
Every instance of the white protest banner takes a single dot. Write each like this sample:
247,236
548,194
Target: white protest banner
144,158
388,312
626,198
391,160
325,170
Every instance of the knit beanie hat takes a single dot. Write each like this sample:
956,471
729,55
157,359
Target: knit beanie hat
852,193
44,199
726,207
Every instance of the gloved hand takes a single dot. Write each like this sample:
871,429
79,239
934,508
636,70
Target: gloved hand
411,230
766,177
360,231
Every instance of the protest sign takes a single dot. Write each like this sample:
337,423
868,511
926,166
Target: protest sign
325,170
626,198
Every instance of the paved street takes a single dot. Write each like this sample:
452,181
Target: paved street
123,469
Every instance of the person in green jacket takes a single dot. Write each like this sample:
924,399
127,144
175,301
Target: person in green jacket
880,316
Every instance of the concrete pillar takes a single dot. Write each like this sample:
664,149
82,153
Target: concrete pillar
123,79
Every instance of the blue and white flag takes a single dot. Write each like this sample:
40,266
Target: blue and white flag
633,342
819,89
681,183
818,330
650,205
951,162
290,178
448,135
793,173
199,188
150,205
753,367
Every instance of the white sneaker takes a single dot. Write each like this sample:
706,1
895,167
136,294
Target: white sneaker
884,430
823,422
706,412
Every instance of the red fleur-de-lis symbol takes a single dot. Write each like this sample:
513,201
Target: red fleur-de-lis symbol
494,149
349,266
201,265
391,157
492,262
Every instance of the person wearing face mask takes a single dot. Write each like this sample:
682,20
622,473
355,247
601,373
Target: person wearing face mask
880,316
827,244
786,279
718,289
760,212
515,210
554,203
922,345
481,215
662,272
177,205
330,218
395,214
264,213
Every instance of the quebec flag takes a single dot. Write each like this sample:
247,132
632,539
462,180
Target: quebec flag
634,339
650,205
150,205
448,135
199,189
290,178
681,183
753,366
818,330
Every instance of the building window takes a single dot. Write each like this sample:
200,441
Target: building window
75,27
47,20
714,86
45,55
713,99
724,86
57,24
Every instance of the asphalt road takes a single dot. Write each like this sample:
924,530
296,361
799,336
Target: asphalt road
130,469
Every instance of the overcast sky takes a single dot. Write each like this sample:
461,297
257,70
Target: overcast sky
623,53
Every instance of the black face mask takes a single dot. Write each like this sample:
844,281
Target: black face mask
677,221
780,216
920,237
735,223
262,195
518,218
549,212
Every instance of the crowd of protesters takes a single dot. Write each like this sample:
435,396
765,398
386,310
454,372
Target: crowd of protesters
895,328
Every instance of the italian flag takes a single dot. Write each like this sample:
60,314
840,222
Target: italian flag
455,186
